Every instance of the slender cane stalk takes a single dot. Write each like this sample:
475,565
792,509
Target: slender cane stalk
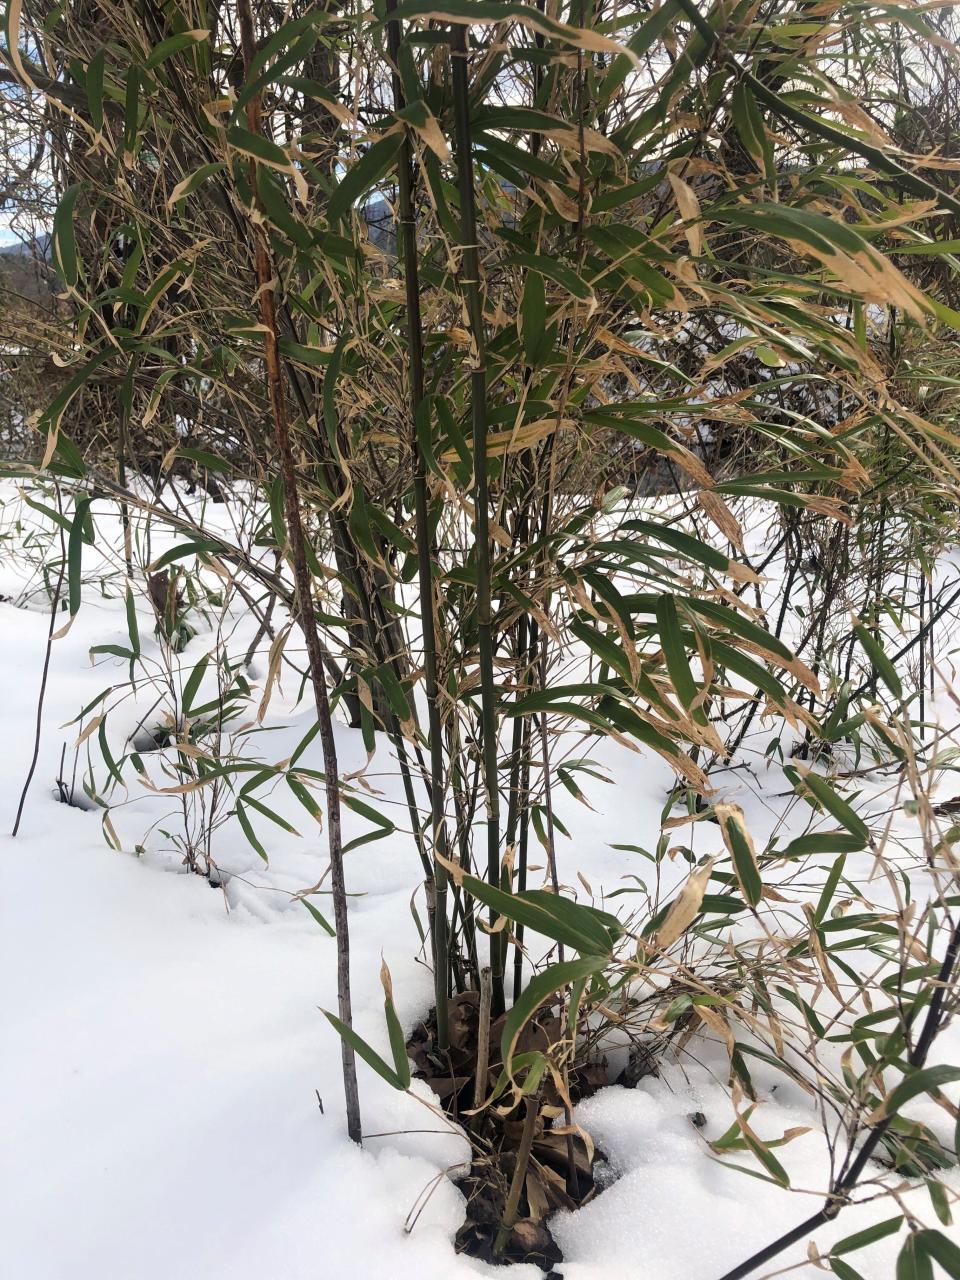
483,1043
522,858
304,600
512,1207
425,552
470,287
54,610
518,811
555,885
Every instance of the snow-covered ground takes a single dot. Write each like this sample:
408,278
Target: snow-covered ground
164,1057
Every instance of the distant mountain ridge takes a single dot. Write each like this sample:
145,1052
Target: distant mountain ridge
18,248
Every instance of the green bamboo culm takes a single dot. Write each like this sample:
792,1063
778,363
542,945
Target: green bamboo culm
469,282
425,551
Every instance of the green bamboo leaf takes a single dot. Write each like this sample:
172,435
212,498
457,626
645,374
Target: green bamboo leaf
305,797
943,1250
193,683
820,127
650,31
367,811
738,625
375,161
824,842
768,1160
320,919
116,650
512,162
304,743
927,1080
274,203
107,754
285,35
671,641
627,720
51,514
882,664
738,662
538,990
532,1065
75,554
645,432
248,831
133,630
275,818
174,45
197,547
368,1054
860,1239
838,716
939,1200
843,1270
684,543
740,846
829,888
203,457
587,930
300,35
382,825
311,356
191,183
913,1263
390,531
547,699
606,649
515,117
359,841
389,682
398,1042
278,517
533,317
64,244
561,274
820,789
259,148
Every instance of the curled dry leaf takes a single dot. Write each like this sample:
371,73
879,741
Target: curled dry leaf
689,207
685,906
722,516
823,964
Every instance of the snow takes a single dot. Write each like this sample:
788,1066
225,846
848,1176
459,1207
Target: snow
163,1048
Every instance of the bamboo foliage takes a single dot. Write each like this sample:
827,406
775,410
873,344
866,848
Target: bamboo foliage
497,276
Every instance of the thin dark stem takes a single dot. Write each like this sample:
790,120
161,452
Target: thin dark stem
54,610
470,287
425,554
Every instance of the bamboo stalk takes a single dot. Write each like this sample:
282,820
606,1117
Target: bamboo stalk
470,286
303,600
511,1208
522,858
483,1041
425,553
518,799
54,611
